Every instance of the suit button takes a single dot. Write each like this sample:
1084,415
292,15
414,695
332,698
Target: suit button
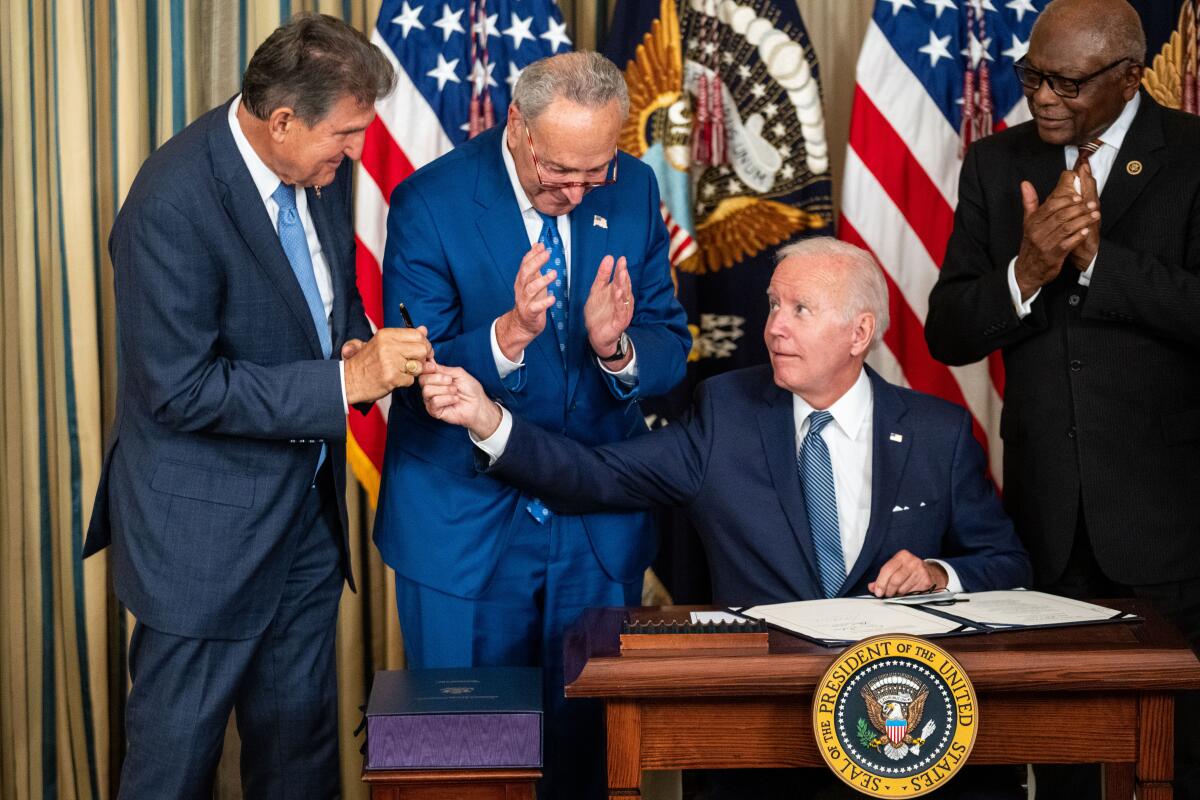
1076,365
1071,432
572,407
1073,299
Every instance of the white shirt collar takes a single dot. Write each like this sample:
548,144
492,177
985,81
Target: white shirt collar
265,180
1114,135
849,411
510,166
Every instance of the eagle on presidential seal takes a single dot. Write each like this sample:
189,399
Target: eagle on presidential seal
895,706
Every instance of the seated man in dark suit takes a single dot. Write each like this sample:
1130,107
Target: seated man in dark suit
807,479
810,478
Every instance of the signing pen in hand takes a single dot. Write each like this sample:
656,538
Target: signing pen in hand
408,323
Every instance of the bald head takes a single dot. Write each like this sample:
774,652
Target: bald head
1112,28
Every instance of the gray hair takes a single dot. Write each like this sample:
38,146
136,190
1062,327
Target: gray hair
583,77
866,288
309,64
1117,30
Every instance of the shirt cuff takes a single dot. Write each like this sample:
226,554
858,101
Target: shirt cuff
495,444
628,374
953,584
1085,277
503,365
1023,307
342,378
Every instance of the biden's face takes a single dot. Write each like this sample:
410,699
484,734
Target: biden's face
814,346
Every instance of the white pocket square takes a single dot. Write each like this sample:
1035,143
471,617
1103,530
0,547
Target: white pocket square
900,508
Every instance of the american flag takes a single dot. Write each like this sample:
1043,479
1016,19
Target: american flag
925,66
449,56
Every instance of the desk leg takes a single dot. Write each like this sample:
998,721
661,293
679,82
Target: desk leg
624,750
1156,746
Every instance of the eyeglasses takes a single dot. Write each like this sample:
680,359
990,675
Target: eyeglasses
1031,78
610,173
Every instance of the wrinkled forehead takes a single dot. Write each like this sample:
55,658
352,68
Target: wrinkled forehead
808,276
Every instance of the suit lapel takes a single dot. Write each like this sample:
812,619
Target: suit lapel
331,248
589,244
249,216
502,230
777,426
888,458
1144,143
1046,164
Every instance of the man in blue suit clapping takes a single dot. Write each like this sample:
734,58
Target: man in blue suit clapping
536,255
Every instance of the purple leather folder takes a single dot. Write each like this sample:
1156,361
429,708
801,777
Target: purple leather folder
483,717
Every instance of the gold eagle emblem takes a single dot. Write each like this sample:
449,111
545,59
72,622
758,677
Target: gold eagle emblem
1175,69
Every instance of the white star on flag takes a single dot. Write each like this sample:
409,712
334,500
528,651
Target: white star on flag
1018,49
936,49
409,18
976,50
477,75
899,4
444,71
519,30
1019,7
940,6
556,34
449,23
489,26
513,75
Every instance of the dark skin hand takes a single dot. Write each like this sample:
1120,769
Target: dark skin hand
1053,229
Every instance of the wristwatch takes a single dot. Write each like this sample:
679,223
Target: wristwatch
622,349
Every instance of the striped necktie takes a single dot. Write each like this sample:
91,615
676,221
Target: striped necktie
1086,151
820,499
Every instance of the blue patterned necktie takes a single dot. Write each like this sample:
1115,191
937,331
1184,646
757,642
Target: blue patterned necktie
820,498
295,246
558,262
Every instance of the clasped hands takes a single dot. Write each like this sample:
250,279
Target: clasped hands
606,314
1065,227
392,359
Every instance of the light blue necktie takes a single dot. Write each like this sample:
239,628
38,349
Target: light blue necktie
295,246
558,262
553,243
816,475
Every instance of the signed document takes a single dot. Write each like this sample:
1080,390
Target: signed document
848,619
1021,609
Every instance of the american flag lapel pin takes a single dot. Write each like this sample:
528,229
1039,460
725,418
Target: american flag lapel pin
599,222
317,189
895,437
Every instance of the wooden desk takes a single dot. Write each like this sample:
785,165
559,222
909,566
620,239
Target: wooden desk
1067,695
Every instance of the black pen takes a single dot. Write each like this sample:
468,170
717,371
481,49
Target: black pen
408,323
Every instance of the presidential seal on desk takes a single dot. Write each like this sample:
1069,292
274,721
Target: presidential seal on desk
895,716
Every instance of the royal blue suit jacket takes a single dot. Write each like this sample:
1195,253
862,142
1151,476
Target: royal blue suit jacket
224,397
731,463
455,240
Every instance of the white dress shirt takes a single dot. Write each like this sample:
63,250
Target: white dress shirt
533,230
266,182
1101,163
850,441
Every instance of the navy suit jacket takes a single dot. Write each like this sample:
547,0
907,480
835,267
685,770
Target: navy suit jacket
731,463
455,240
224,397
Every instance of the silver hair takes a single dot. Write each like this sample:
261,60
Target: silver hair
1116,35
583,77
866,288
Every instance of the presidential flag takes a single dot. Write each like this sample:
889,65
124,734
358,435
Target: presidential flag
457,62
933,76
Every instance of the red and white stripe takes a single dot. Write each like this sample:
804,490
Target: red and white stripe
899,190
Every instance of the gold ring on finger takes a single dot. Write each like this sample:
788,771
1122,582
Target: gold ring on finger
412,367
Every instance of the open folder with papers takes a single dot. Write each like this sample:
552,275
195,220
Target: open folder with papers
849,619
